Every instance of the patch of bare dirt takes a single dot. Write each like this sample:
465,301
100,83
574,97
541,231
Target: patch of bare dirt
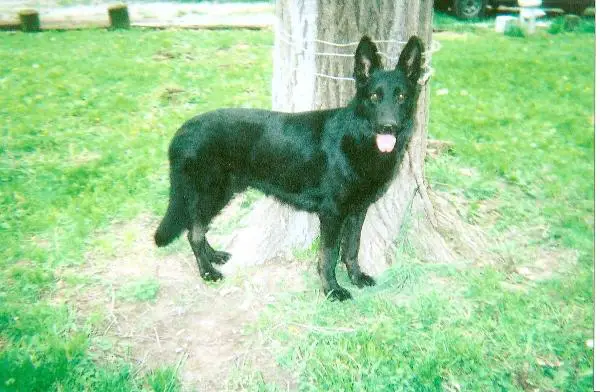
201,328
524,250
533,261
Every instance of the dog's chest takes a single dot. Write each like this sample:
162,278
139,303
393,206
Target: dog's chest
374,177
366,180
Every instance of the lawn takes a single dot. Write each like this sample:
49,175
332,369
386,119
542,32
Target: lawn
87,117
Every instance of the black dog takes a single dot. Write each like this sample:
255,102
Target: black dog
334,163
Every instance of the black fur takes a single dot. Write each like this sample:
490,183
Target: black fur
326,162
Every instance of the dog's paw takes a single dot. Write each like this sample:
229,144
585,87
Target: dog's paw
221,257
212,276
362,280
339,294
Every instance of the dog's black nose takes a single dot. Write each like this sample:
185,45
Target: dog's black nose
389,127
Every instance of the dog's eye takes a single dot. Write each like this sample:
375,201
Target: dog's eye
374,98
401,98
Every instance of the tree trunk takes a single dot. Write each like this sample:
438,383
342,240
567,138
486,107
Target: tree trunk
315,40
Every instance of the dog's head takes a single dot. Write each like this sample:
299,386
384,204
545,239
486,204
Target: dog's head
387,98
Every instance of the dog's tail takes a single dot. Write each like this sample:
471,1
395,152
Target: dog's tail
175,220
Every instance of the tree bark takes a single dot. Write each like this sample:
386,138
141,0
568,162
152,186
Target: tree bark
307,50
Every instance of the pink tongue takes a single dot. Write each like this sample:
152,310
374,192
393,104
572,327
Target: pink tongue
385,143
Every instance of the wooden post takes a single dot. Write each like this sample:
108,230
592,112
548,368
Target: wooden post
30,20
119,16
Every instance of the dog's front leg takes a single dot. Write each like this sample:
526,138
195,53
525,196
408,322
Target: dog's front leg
331,227
350,243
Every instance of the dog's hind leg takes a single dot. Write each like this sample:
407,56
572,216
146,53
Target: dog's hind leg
350,243
202,251
205,200
218,256
210,189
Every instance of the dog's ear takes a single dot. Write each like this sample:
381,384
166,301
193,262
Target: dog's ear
410,59
366,60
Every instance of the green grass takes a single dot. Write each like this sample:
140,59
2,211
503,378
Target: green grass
85,130
561,25
521,123
524,124
164,380
139,290
514,31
